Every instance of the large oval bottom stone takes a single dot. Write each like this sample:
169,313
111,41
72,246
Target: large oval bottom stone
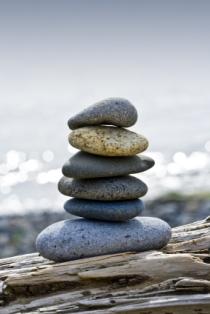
73,239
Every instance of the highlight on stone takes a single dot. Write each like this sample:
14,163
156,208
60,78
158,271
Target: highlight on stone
102,192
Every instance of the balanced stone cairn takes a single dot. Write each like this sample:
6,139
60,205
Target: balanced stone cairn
103,192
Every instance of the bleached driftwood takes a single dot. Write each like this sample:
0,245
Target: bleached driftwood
174,280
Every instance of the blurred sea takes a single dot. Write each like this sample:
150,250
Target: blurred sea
34,146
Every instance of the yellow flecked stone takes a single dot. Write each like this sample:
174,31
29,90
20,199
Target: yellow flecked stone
108,141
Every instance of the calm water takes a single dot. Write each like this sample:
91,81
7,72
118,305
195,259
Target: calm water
34,147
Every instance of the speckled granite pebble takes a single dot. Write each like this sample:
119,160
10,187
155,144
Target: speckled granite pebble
108,141
84,165
73,239
110,211
103,189
114,111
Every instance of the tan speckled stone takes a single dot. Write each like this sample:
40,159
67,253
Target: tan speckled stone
108,141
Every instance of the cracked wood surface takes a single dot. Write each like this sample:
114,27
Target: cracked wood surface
173,280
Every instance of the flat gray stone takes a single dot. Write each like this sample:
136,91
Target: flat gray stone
103,189
114,111
73,239
108,141
84,165
109,211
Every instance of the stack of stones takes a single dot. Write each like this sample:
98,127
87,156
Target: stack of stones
102,191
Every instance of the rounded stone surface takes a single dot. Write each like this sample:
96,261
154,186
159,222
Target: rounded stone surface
73,239
103,189
108,211
108,141
114,111
84,165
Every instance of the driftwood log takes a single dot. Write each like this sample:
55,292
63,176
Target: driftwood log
171,281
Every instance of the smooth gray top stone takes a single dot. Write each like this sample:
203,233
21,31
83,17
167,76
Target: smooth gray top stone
84,165
110,211
73,239
103,189
114,111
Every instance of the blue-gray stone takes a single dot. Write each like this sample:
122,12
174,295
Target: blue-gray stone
103,189
110,211
84,166
73,239
114,111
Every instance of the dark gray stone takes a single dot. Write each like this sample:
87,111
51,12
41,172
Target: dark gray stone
114,111
84,166
109,211
73,239
103,189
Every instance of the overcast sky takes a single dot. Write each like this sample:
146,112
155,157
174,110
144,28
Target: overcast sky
67,50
